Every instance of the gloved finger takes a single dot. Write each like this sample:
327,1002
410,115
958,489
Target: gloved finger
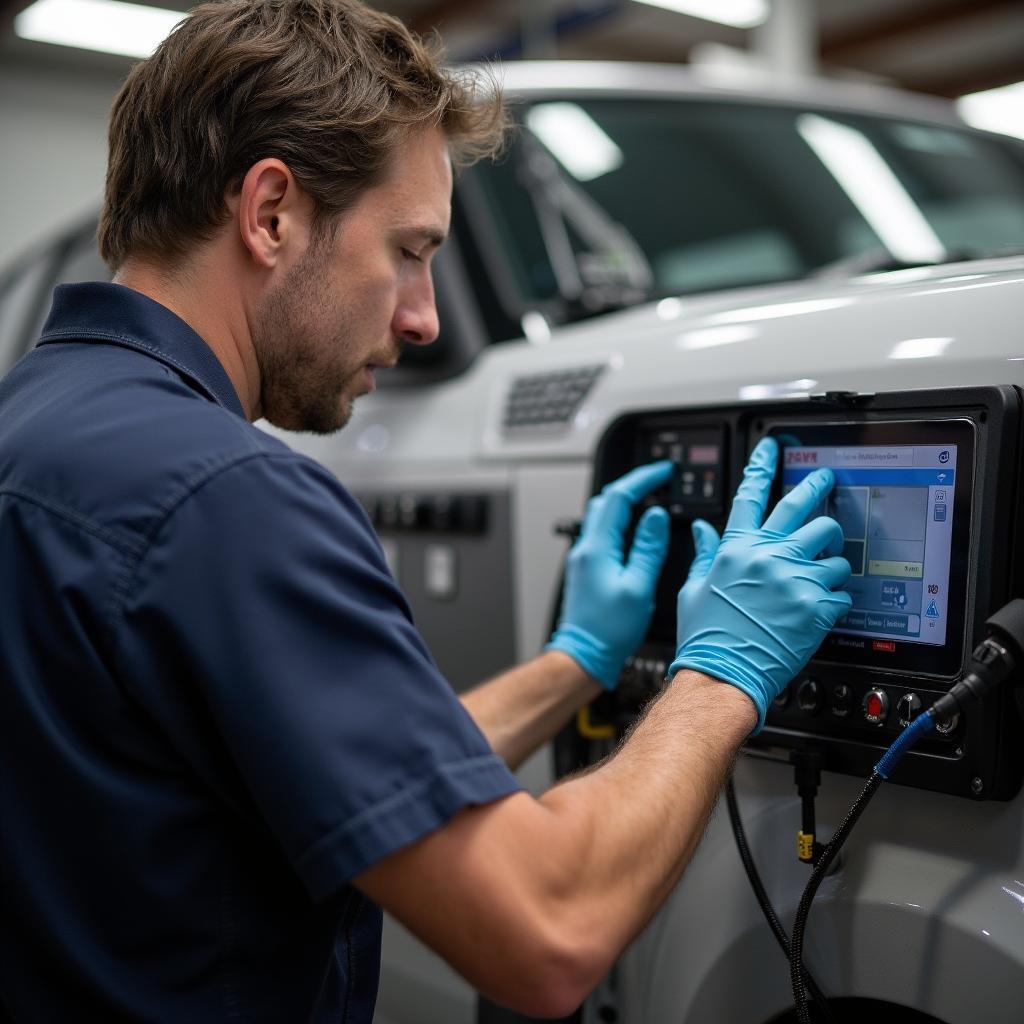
641,481
705,545
833,572
610,512
650,544
832,608
594,507
752,494
821,536
792,510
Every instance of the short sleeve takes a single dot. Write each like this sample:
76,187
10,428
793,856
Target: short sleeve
263,631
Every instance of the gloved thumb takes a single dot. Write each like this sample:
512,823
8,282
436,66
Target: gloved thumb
705,544
650,544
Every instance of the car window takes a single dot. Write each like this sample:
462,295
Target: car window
603,203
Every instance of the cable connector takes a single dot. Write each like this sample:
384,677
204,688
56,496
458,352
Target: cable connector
807,775
906,739
805,847
991,663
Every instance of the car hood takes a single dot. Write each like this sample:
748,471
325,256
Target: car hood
955,325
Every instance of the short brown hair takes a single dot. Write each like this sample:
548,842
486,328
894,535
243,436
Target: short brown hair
328,86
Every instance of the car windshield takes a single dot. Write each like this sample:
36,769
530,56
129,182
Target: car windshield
603,203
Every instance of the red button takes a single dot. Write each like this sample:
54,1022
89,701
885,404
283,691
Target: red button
873,705
889,646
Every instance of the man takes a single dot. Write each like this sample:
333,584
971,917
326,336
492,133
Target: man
224,746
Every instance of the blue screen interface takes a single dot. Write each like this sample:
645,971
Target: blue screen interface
895,505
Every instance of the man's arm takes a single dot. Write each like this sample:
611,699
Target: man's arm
532,900
524,707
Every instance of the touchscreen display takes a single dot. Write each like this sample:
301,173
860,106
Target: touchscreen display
895,505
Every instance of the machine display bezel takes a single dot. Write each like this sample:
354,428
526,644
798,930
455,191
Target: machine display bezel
919,658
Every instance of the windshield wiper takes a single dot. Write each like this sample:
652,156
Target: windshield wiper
613,271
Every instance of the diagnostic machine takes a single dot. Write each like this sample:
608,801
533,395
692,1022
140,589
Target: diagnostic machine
926,488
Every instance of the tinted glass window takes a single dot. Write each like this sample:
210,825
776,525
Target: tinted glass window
602,203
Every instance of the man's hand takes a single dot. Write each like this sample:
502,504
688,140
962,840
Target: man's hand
609,599
757,606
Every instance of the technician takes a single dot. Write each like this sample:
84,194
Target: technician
223,745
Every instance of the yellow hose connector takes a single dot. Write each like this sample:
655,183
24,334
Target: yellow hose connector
805,846
588,730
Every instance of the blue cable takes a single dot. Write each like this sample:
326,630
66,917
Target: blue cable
911,734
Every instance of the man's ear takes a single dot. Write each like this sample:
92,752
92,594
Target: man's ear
272,212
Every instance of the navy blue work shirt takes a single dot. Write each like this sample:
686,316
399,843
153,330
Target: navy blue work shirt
214,706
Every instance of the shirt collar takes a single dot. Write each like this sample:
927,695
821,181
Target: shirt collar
117,315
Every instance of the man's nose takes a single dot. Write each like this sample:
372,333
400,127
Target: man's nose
415,319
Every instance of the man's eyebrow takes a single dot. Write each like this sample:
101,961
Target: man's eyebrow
429,232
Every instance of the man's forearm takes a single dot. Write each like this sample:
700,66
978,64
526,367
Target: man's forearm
653,795
549,891
524,707
632,825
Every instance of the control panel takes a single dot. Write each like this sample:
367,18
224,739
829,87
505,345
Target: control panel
927,493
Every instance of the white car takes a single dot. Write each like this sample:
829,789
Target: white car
664,265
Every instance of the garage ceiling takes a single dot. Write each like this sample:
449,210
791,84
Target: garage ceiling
945,47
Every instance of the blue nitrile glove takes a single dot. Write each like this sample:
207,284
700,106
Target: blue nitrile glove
608,599
757,605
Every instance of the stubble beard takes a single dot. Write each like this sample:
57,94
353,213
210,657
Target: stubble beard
306,381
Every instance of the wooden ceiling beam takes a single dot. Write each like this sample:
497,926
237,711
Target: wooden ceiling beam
843,46
433,17
978,79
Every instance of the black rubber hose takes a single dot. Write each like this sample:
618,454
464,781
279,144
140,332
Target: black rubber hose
754,876
796,959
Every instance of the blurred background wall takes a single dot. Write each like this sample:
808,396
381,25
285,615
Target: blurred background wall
54,149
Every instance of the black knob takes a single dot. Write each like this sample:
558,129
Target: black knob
908,707
808,697
842,700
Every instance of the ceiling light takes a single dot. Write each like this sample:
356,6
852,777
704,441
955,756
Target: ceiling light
995,110
579,143
862,173
109,26
738,13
